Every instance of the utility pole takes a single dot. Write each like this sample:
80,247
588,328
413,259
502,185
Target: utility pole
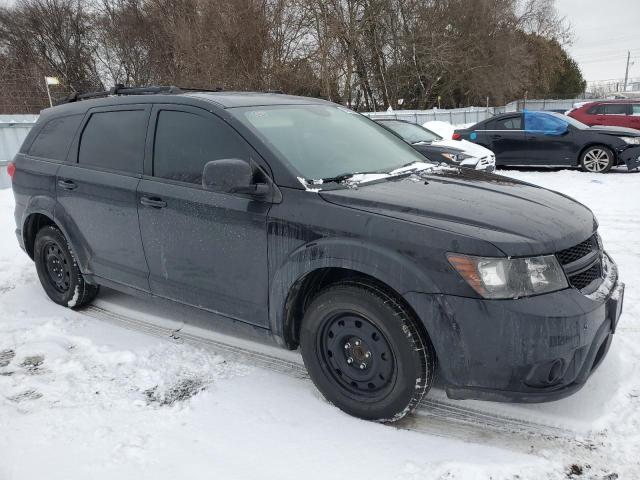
626,72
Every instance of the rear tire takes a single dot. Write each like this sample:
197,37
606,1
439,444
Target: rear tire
58,270
597,159
365,352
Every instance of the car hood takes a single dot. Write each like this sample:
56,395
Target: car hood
468,147
618,131
516,217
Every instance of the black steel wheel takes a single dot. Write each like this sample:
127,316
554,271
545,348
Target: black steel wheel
56,265
358,356
58,270
365,352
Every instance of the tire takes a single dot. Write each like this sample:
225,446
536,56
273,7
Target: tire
58,270
597,159
351,324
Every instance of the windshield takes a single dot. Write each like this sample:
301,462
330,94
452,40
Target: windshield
570,120
325,141
411,132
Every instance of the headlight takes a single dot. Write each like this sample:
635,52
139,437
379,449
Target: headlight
631,140
455,157
510,277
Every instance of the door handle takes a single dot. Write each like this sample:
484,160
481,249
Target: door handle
67,184
154,202
496,136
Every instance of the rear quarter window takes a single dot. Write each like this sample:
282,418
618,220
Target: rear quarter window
114,140
53,140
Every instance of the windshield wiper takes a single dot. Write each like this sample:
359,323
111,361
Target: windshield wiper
337,179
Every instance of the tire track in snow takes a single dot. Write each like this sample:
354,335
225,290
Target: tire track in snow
434,416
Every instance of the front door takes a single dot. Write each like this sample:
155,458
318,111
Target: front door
204,248
96,193
550,140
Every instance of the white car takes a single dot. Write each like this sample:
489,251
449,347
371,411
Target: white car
445,131
436,148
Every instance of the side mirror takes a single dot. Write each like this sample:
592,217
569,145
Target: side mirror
232,175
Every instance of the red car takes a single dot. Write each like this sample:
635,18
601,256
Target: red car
614,113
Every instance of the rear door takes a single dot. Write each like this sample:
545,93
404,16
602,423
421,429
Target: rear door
204,248
96,193
505,136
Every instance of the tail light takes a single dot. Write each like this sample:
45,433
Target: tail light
11,169
456,136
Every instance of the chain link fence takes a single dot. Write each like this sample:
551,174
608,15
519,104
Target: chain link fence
454,116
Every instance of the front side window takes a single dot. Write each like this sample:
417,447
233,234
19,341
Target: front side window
55,137
635,109
615,109
596,110
325,141
114,140
185,142
544,122
512,123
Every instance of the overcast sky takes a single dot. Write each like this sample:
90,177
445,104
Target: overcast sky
603,32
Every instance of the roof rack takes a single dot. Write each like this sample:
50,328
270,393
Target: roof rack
120,89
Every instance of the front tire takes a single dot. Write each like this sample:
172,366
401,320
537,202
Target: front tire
58,270
365,353
597,159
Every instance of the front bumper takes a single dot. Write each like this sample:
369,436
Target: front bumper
487,163
630,155
533,349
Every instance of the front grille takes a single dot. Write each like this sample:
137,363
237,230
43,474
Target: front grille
583,279
572,254
579,277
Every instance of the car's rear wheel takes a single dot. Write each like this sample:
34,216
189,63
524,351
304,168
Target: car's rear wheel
597,159
58,270
365,352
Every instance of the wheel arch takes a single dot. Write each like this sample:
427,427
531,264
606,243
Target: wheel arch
43,211
597,144
311,268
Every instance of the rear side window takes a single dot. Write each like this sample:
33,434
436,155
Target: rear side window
185,142
114,140
54,138
615,109
513,123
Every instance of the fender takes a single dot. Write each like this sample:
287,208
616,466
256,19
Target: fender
47,206
74,237
386,265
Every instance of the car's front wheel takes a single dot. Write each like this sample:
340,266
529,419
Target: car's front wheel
597,159
365,352
58,270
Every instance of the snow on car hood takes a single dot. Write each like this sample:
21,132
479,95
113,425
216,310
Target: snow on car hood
468,147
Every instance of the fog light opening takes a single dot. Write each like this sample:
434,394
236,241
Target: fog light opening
556,371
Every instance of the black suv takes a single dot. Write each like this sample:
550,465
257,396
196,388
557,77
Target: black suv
325,231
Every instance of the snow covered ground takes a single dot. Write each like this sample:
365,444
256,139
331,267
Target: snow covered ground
85,398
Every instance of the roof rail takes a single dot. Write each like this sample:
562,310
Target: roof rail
120,89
